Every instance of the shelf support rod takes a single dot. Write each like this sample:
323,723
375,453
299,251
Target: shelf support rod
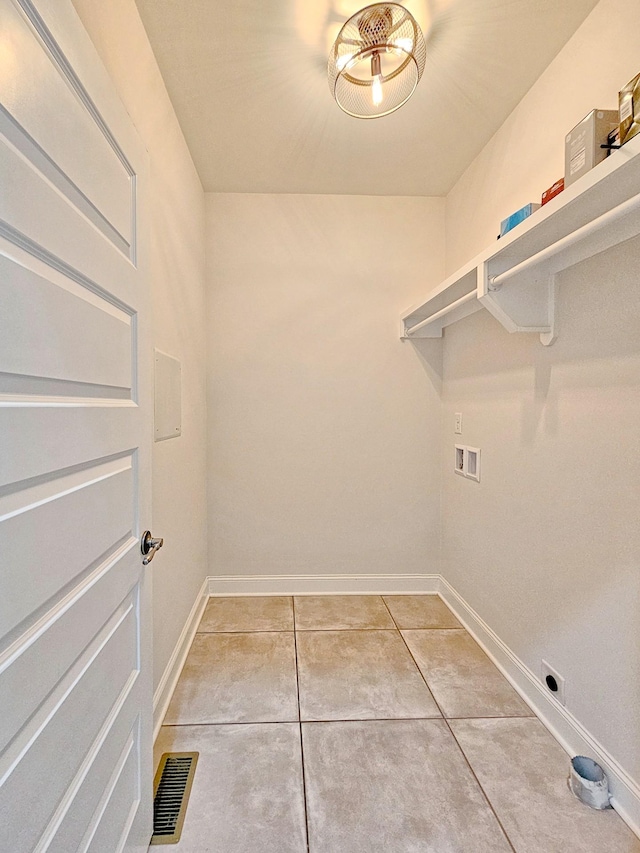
565,242
443,312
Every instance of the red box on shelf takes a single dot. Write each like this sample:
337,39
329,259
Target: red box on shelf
553,191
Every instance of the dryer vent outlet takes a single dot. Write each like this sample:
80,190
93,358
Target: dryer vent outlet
553,682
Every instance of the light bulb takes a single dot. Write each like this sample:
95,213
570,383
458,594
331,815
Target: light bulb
376,90
405,45
376,83
343,61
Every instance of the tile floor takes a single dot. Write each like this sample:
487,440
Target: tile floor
365,724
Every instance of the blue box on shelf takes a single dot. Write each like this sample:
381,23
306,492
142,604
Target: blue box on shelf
516,218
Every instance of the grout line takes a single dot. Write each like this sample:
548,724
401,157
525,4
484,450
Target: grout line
304,780
425,630
388,609
335,720
372,720
249,631
232,723
299,721
497,717
363,628
446,722
486,796
415,663
459,630
305,630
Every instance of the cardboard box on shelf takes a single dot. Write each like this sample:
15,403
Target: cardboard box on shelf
582,150
553,191
516,218
629,105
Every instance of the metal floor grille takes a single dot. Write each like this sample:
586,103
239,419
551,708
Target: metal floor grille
172,787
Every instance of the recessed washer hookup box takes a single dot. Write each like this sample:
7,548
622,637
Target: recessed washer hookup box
582,149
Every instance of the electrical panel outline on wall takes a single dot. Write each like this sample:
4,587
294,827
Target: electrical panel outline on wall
168,397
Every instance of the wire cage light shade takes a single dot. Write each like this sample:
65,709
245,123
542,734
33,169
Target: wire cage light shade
376,61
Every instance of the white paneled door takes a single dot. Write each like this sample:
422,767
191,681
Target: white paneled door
75,433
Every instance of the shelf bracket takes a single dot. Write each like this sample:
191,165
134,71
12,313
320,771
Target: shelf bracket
550,337
517,279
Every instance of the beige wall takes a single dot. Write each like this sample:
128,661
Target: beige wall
178,308
324,427
546,547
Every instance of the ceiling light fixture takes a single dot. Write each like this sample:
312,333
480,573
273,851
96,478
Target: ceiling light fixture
376,61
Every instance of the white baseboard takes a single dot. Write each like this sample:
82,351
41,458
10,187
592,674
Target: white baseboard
170,676
564,727
323,584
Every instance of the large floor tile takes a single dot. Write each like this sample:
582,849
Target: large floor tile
247,793
248,613
237,678
524,773
464,682
399,786
355,675
341,612
420,611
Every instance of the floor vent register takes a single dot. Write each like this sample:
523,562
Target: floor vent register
172,787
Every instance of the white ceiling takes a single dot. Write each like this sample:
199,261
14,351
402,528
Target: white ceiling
248,82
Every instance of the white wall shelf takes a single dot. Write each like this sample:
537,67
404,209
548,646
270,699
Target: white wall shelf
515,278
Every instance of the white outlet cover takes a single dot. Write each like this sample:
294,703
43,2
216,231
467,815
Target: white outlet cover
458,424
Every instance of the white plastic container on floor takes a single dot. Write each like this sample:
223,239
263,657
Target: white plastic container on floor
588,782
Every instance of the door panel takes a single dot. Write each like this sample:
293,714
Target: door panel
86,700
75,439
46,108
42,655
61,506
25,179
37,343
43,448
109,794
112,821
